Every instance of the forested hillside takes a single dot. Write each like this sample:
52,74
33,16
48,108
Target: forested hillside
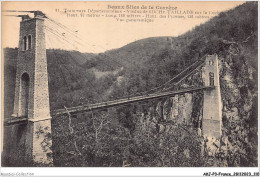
148,63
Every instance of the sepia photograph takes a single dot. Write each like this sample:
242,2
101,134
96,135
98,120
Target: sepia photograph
130,84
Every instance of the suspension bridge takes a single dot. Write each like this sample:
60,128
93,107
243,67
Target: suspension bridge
31,102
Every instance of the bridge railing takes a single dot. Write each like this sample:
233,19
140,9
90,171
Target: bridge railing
104,105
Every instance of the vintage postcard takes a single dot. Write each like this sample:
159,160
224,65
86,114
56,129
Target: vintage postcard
130,84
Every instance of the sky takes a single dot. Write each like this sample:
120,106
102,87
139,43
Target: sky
104,33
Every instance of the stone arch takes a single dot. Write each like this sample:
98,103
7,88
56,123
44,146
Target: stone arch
24,94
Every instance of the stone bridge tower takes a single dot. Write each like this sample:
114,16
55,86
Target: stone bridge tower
32,139
212,106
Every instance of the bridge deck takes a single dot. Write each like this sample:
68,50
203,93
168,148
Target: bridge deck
104,105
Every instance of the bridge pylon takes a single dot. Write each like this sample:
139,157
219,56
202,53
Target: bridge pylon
212,106
29,141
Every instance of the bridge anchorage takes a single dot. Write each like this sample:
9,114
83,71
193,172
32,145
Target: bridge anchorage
27,133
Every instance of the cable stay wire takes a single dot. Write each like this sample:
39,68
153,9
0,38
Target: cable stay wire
83,44
66,67
174,78
104,54
58,33
153,89
75,78
80,41
81,38
161,86
59,66
73,33
59,37
65,39
64,43
69,45
63,75
186,76
71,58
150,89
101,98
62,37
